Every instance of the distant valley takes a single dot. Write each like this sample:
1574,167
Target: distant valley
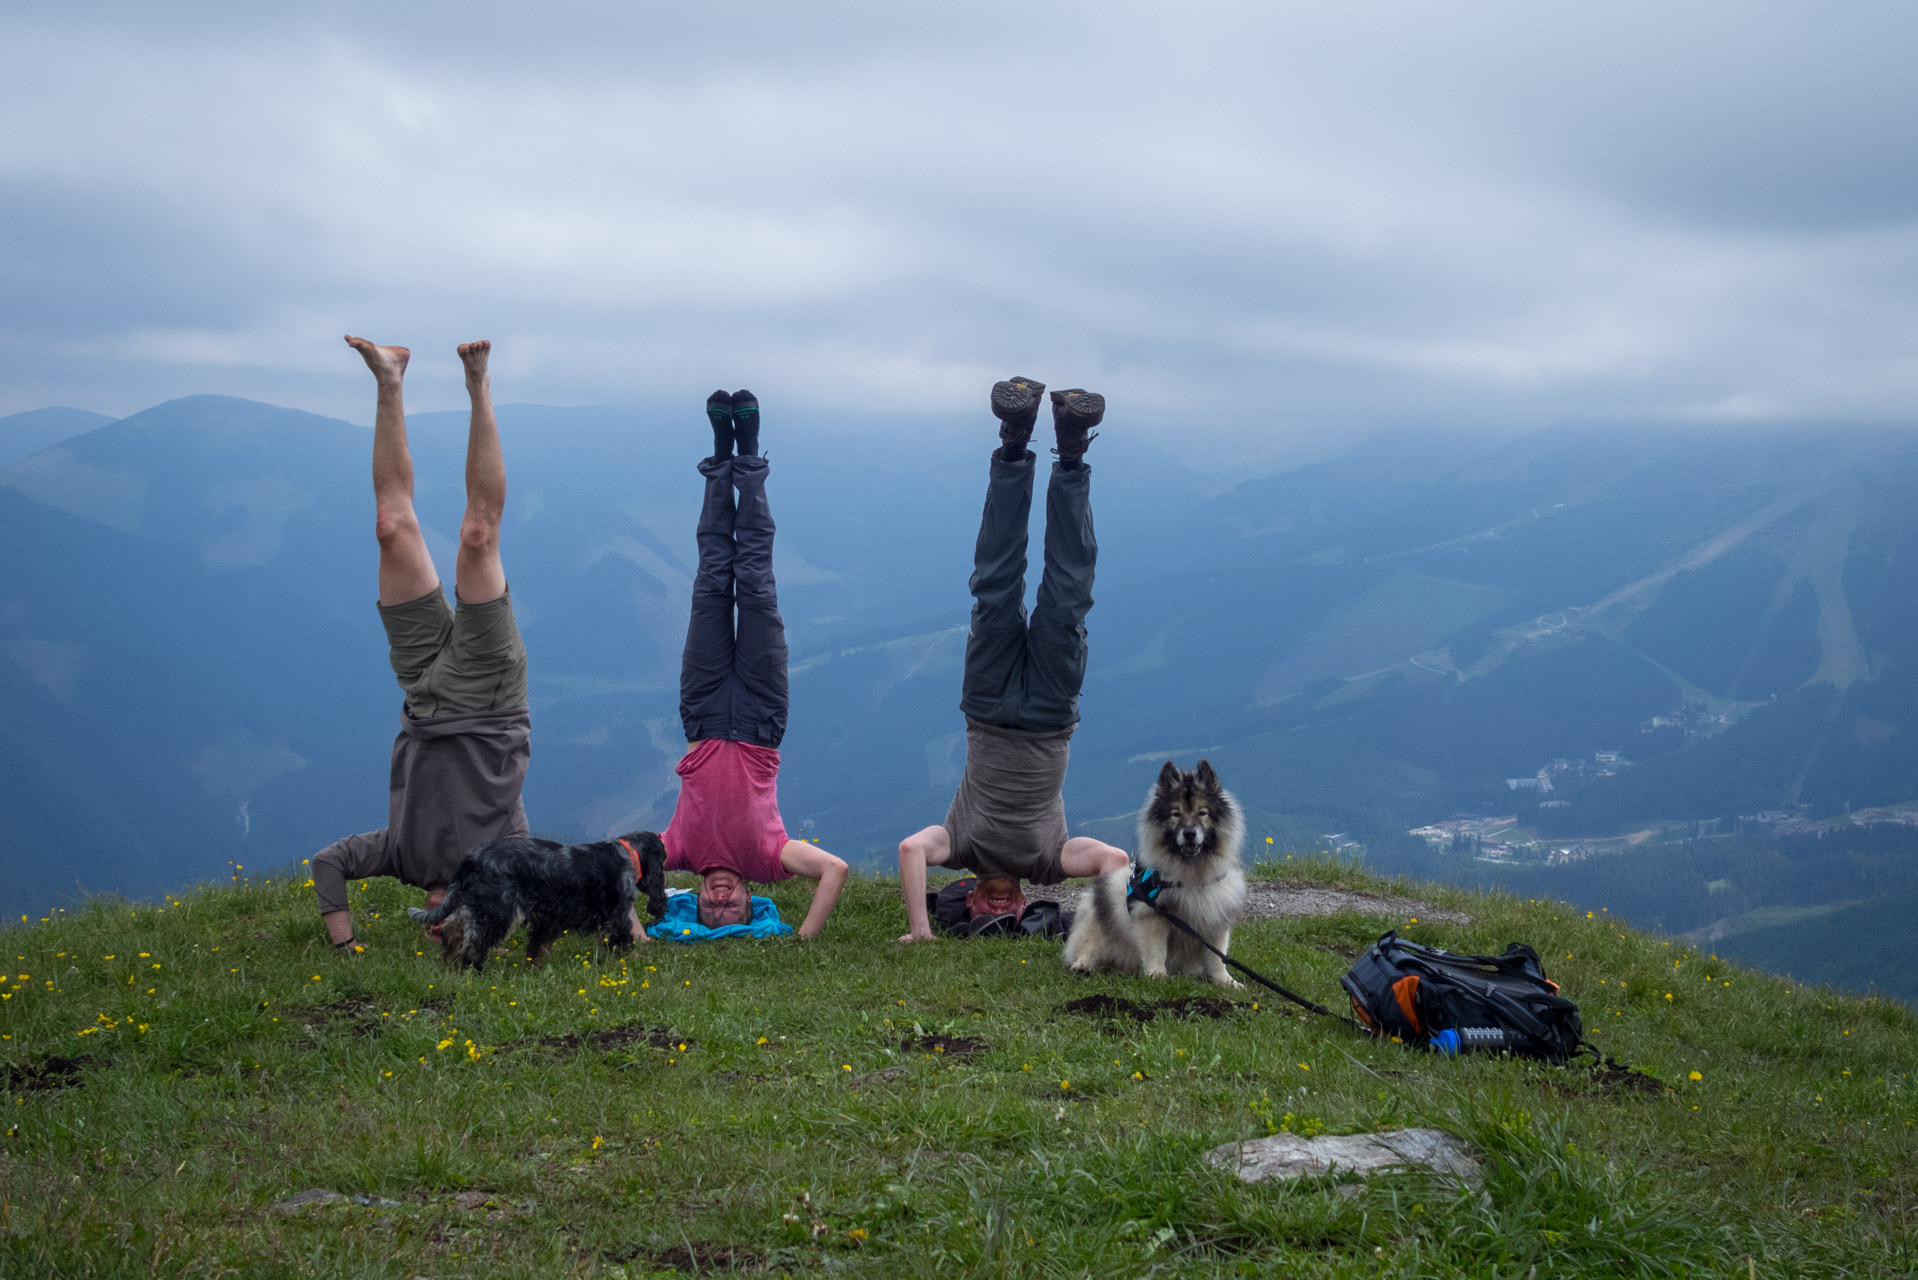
1703,642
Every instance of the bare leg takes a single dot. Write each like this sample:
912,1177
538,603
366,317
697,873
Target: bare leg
406,570
480,576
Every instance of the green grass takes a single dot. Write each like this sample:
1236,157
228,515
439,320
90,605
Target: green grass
231,1059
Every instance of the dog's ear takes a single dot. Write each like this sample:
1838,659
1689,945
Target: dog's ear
1168,776
652,880
1206,778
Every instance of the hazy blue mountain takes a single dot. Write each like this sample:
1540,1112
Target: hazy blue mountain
26,433
218,500
1378,641
148,699
1849,946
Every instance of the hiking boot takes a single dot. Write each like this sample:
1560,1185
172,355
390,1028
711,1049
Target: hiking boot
1016,404
746,423
1074,413
719,412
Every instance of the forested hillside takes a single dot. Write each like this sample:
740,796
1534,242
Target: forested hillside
1677,630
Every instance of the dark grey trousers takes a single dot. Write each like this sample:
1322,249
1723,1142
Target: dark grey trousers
1022,675
732,679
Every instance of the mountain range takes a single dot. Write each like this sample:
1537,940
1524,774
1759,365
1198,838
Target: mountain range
193,673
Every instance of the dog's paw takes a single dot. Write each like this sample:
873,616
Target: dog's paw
1227,980
1157,971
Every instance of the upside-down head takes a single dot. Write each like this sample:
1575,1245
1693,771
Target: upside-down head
724,899
995,896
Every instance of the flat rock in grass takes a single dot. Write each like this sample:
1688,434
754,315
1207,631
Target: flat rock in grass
312,1195
1289,1155
320,1195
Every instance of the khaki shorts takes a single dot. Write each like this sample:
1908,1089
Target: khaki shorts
1034,868
456,662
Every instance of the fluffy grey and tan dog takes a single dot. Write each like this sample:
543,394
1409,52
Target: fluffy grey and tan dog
552,888
1190,831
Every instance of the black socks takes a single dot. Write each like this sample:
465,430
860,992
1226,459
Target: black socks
719,411
745,423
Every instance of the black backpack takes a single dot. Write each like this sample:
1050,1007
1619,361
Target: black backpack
1042,917
1451,1003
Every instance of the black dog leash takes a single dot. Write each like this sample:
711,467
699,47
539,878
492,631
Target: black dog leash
1146,885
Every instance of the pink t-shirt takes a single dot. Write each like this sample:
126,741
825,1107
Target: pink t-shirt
728,812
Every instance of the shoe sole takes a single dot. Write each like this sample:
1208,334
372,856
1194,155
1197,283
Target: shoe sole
1016,396
1079,409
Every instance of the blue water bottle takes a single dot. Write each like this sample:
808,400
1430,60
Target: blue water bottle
1445,1042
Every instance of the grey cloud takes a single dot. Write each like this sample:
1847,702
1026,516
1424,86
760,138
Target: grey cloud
1384,214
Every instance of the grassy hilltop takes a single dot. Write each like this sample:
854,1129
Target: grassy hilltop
853,1107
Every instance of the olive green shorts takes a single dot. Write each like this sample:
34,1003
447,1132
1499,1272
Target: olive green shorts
456,662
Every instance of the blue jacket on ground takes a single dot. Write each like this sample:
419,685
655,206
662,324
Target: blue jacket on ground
681,921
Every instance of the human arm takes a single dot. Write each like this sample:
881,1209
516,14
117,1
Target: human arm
638,927
814,863
928,848
1084,856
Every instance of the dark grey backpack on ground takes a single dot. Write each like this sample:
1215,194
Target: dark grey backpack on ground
1042,917
1452,1003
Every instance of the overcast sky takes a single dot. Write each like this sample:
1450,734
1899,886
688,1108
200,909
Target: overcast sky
1288,220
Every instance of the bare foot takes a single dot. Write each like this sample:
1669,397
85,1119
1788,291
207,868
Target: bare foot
385,362
473,356
916,937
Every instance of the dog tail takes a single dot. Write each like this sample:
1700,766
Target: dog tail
420,915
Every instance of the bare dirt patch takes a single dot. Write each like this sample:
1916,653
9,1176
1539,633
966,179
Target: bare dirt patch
1616,1080
939,1048
55,1073
617,1038
359,1016
957,1048
608,1040
1277,899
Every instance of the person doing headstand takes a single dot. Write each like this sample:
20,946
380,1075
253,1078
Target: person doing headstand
465,733
733,695
1020,694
